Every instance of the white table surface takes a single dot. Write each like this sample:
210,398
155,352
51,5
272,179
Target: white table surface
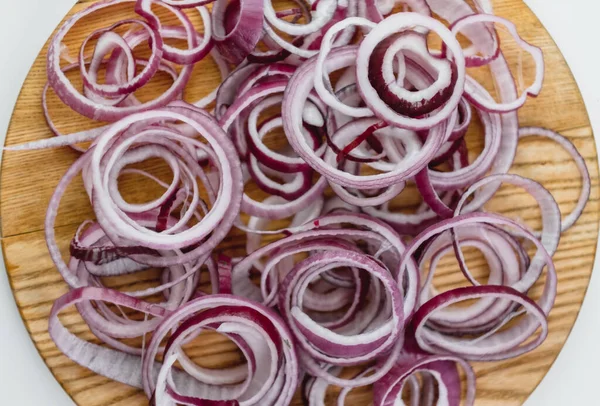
26,24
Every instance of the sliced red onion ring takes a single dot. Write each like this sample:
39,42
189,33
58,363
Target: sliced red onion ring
109,41
551,228
295,186
430,196
272,159
464,119
416,101
317,388
258,224
324,13
228,90
321,73
478,57
391,25
195,51
536,53
201,123
337,204
82,136
320,16
572,217
236,41
283,210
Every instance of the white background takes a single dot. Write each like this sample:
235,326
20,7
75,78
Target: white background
26,24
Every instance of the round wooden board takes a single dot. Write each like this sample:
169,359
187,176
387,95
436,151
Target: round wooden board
28,179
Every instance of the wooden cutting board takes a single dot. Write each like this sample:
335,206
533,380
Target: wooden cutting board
28,179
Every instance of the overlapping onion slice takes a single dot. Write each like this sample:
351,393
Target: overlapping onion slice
109,362
145,228
93,257
295,98
178,284
492,312
439,376
270,377
271,373
308,36
262,89
373,300
355,342
329,232
427,377
124,62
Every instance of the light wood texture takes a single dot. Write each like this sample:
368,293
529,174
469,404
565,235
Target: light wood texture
28,179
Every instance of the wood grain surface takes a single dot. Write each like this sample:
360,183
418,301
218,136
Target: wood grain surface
29,178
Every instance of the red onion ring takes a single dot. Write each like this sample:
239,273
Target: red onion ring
572,217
